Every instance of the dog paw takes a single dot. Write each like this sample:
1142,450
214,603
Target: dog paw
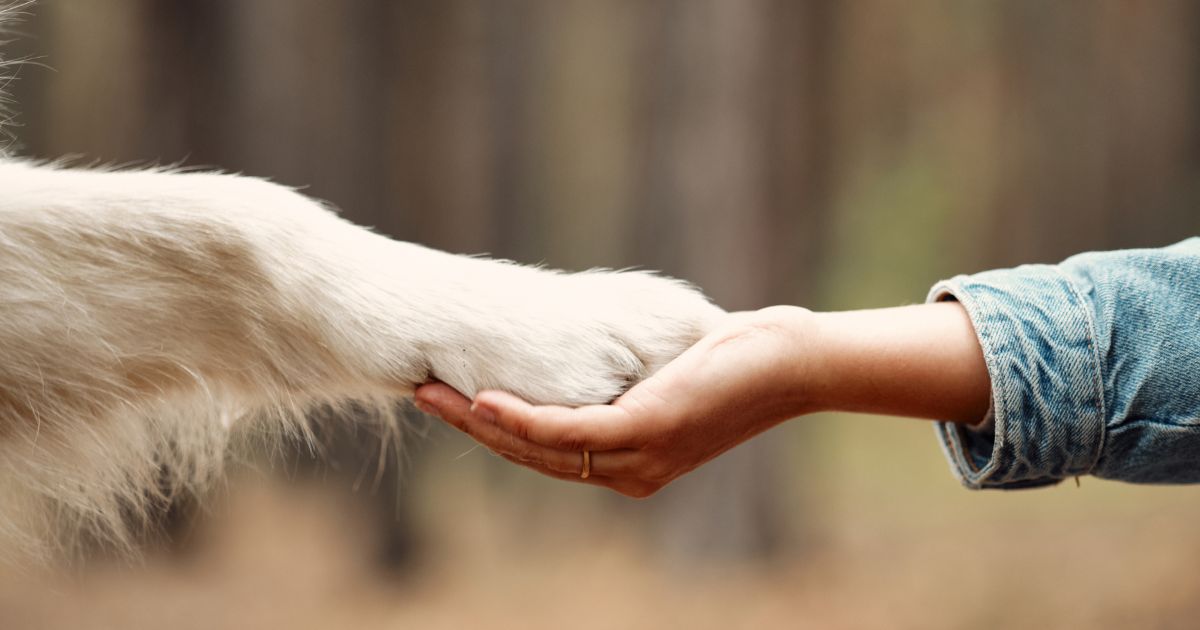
570,339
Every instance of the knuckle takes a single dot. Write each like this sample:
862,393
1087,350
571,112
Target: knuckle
515,447
519,428
571,441
532,465
520,454
559,466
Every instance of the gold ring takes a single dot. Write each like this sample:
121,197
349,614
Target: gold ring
587,465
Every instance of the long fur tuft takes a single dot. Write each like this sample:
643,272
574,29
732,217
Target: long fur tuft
10,13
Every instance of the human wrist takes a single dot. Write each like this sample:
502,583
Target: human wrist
790,377
824,375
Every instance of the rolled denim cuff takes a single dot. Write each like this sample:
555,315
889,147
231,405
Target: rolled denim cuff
1046,420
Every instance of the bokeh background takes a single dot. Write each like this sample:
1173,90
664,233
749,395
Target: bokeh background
831,154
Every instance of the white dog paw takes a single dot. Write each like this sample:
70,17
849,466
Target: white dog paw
572,339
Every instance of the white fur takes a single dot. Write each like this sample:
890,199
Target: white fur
148,317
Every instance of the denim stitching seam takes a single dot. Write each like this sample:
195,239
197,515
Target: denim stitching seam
1097,377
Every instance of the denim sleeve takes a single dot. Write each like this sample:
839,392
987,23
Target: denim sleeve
1095,368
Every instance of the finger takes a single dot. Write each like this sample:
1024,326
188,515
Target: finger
592,479
456,410
436,397
619,464
622,471
628,487
592,427
432,397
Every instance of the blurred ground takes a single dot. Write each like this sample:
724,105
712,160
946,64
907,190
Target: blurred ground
897,544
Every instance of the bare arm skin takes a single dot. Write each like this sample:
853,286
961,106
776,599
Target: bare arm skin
917,361
754,371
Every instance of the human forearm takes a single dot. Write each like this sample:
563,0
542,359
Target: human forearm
920,361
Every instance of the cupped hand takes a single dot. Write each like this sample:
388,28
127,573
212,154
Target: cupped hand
742,378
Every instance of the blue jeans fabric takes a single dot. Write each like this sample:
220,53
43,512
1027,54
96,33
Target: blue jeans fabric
1095,368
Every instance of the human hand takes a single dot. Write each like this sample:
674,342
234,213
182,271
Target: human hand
736,382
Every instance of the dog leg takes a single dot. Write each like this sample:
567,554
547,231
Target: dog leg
143,313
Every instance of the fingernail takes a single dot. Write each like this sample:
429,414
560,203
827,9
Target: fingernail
483,413
426,407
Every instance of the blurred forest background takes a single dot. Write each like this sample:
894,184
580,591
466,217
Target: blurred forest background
830,154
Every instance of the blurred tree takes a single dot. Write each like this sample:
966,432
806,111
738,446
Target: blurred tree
976,135
831,154
733,180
